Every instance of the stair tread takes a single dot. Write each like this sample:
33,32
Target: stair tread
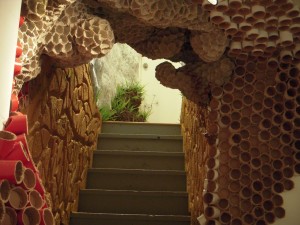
136,171
141,136
142,153
134,192
130,216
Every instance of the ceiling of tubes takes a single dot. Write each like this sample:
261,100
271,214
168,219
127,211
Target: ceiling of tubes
241,59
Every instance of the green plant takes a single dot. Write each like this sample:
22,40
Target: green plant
126,105
144,113
106,113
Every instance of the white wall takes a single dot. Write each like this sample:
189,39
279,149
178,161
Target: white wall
166,102
9,17
291,205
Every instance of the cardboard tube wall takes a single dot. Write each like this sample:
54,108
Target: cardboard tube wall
9,17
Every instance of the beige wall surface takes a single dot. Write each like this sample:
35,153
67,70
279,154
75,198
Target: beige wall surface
165,102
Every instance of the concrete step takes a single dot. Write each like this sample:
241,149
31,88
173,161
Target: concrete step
133,202
140,142
134,179
129,219
138,160
141,128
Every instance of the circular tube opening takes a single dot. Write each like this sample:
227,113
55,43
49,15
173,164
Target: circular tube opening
225,109
18,198
36,199
278,187
277,164
245,145
277,200
289,115
4,190
280,87
47,217
10,217
31,216
245,168
246,193
288,172
29,181
279,212
256,199
288,184
240,70
237,104
236,138
267,182
258,212
277,175
245,157
257,186
277,119
267,194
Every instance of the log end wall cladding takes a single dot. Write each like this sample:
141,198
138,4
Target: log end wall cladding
193,125
64,125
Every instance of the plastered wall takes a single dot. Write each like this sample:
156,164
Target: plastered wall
164,102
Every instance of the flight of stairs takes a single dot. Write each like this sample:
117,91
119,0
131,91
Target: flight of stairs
137,178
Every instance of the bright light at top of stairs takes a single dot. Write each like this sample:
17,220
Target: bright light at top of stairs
214,2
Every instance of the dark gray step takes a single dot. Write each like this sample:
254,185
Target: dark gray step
141,128
162,143
126,219
141,180
133,202
138,160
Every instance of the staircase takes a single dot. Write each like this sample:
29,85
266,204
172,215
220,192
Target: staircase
137,178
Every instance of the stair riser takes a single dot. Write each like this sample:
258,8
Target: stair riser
133,204
77,221
130,128
162,145
138,162
140,182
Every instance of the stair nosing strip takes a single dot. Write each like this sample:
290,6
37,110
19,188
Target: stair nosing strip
130,216
138,171
141,136
135,192
147,153
140,123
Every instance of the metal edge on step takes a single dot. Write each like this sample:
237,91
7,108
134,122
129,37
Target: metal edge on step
130,216
135,192
137,171
141,136
139,123
139,153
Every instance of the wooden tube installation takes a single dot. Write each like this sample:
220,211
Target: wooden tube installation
46,217
10,217
29,216
211,212
35,199
12,171
7,141
4,190
2,211
29,180
210,198
18,198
